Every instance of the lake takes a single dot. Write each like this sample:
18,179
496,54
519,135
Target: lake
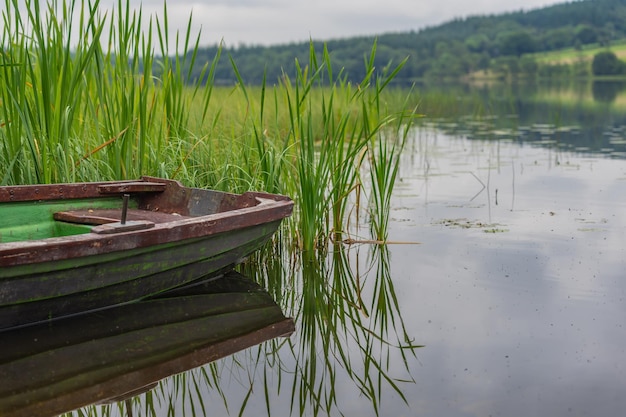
518,289
505,265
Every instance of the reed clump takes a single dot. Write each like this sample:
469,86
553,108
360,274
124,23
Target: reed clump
87,95
72,109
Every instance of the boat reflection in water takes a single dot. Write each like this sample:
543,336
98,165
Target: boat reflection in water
54,367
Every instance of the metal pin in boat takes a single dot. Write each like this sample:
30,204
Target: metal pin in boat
125,198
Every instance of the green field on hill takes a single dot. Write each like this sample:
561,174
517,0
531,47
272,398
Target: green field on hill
571,55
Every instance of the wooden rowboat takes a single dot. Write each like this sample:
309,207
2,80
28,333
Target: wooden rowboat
113,354
69,248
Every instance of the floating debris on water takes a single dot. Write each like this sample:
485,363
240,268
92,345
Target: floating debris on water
472,224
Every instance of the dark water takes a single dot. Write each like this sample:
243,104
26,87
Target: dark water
517,289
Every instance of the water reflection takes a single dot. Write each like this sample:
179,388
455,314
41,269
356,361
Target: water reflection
587,118
607,91
114,354
351,340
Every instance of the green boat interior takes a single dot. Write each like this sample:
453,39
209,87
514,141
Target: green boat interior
25,221
29,213
31,221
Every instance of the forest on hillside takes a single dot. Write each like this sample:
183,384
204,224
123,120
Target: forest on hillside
502,44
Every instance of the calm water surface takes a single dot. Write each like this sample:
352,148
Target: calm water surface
518,288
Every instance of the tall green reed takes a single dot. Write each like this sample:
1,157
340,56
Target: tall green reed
333,124
383,165
41,84
78,105
265,156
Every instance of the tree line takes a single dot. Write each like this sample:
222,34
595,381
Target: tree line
501,44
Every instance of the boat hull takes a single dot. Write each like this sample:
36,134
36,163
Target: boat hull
100,283
193,234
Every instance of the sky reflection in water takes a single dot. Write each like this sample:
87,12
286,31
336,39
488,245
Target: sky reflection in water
518,290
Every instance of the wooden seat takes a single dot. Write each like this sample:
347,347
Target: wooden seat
117,227
105,216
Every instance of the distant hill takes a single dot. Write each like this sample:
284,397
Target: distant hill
502,44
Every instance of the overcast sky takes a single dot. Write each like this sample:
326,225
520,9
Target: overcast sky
271,22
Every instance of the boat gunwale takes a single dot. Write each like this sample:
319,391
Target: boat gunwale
269,208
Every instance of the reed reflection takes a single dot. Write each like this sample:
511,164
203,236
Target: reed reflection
350,343
350,329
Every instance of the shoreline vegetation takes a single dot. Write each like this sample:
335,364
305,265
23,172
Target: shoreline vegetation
127,105
88,112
